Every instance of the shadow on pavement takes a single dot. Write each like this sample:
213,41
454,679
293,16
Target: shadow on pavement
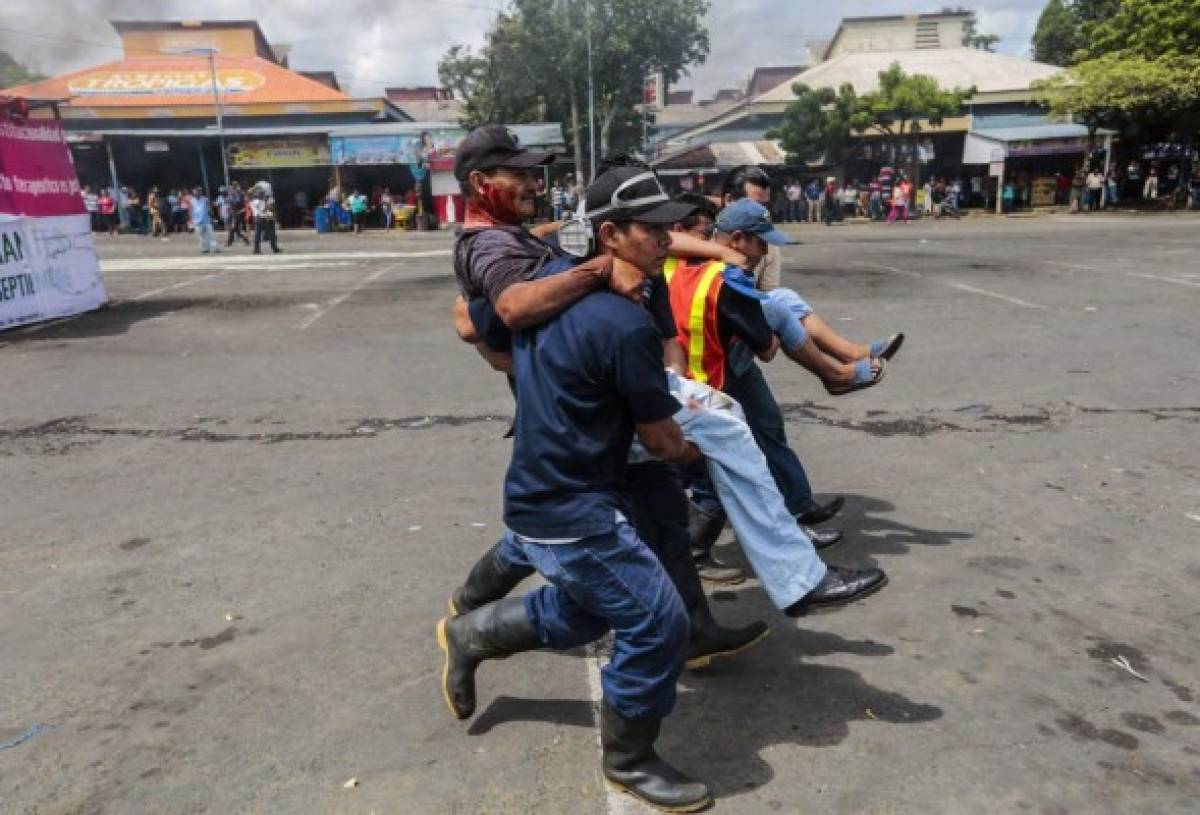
109,321
729,714
507,709
868,534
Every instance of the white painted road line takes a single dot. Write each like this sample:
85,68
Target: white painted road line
1016,301
615,801
953,284
341,298
182,285
1192,284
260,261
892,269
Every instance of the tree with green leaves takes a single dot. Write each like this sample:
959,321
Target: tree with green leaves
1090,12
1148,28
1057,36
533,64
1139,70
13,73
825,123
905,103
819,126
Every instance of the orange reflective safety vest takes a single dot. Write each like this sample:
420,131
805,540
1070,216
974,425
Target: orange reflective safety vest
695,285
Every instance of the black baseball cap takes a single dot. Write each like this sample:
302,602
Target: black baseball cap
489,147
625,194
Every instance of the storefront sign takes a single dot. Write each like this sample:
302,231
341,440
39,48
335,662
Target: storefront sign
48,265
166,83
1047,147
278,153
417,150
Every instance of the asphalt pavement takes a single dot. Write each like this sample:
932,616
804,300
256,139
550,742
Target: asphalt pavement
236,500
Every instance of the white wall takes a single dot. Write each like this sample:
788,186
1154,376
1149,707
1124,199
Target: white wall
894,35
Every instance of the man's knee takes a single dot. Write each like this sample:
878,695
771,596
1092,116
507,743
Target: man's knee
510,556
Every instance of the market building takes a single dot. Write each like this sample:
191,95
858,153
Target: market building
192,103
1003,129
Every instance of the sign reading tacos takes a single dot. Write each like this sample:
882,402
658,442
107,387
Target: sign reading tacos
165,83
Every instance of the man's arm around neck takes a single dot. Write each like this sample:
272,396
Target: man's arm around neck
531,302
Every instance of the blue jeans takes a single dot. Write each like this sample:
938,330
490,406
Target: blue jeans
609,582
765,419
783,557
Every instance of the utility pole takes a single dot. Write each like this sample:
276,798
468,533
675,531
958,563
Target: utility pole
591,94
212,64
211,54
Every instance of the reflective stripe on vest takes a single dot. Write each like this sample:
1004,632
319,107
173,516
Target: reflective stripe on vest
694,305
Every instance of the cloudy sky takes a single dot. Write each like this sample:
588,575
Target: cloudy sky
373,43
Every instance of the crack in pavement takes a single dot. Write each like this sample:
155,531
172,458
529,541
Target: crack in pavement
875,423
364,428
1187,414
880,424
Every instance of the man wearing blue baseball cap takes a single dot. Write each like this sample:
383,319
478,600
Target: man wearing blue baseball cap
722,325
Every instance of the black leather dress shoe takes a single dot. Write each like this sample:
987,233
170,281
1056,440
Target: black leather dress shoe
838,587
822,538
820,513
715,571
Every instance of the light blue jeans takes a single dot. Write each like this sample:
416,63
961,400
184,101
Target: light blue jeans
781,554
207,242
784,310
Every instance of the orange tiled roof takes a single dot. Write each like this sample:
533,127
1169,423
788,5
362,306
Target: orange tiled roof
170,81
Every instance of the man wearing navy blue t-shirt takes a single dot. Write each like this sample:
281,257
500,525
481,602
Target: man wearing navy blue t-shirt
587,380
516,280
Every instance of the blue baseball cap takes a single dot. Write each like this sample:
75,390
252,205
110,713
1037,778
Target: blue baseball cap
753,219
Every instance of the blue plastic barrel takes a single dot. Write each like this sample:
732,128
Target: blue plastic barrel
321,219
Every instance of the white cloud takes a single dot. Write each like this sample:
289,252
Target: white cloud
374,43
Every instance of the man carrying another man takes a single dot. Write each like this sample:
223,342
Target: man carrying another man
595,370
534,299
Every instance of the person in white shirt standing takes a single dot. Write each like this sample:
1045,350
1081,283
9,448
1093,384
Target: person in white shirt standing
262,206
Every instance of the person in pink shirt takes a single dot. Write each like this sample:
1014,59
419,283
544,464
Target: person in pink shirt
901,196
108,211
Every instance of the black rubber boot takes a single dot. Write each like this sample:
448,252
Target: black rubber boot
703,529
495,631
631,765
488,582
709,640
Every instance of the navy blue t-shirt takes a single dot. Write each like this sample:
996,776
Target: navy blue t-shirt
583,379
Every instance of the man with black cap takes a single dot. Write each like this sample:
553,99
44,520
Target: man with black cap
587,379
495,256
501,266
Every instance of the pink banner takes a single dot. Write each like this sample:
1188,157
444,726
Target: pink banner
37,177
